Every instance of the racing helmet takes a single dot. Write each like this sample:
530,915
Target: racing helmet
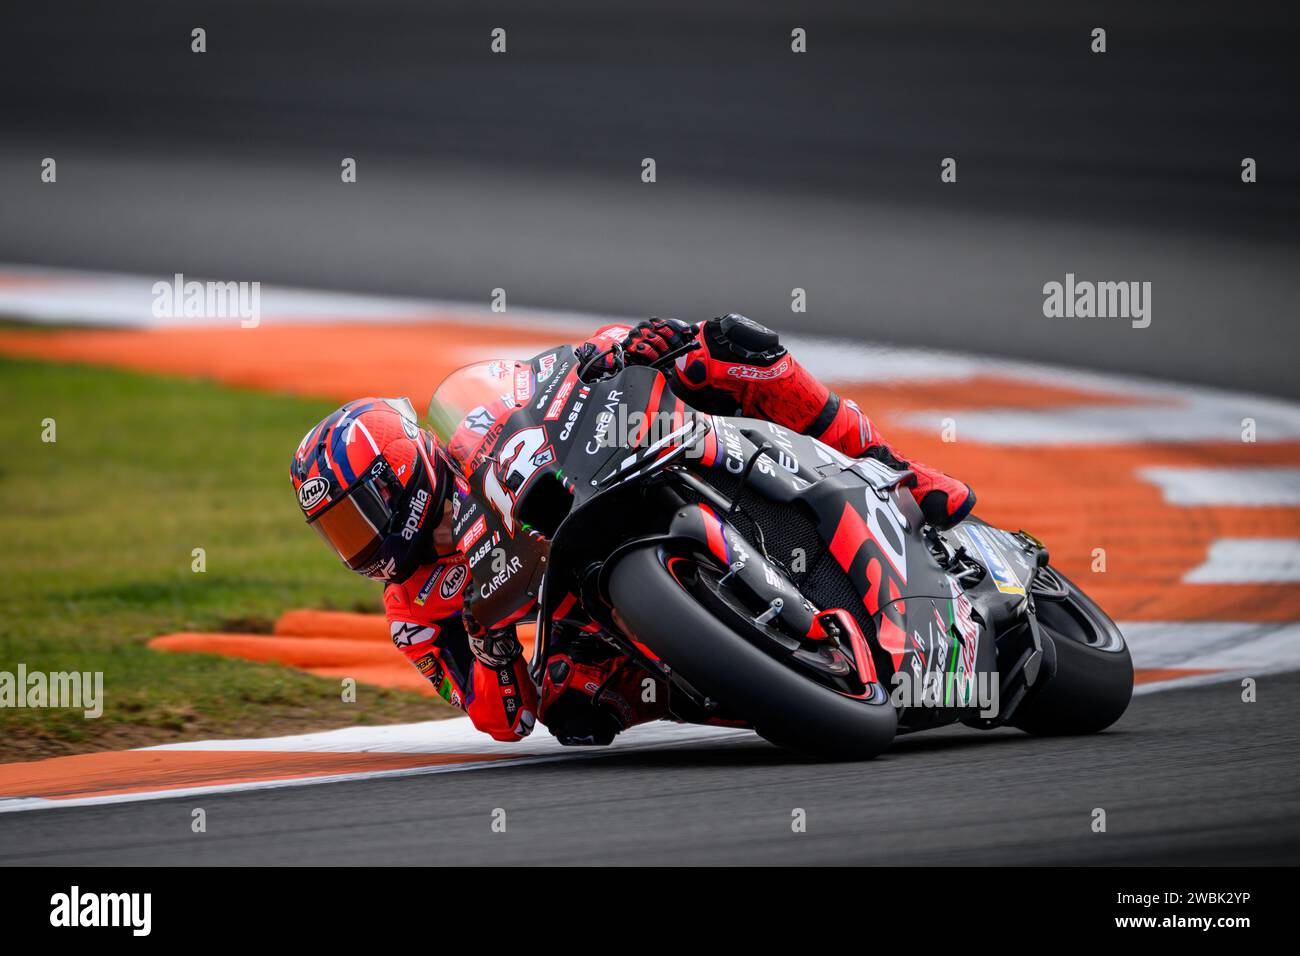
372,483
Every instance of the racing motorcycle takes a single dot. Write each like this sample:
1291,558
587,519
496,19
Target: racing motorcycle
763,578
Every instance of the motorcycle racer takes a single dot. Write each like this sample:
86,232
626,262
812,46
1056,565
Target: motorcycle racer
379,490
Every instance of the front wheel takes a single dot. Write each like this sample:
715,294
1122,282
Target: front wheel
784,706
1093,682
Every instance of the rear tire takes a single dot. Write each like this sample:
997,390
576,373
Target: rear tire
1093,683
785,707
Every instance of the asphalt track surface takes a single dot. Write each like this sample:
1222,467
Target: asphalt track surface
1191,776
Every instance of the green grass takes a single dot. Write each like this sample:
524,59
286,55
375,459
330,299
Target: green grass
97,531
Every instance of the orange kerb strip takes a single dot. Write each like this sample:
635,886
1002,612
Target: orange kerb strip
1150,675
354,627
366,661
330,360
294,651
349,626
978,391
356,646
139,771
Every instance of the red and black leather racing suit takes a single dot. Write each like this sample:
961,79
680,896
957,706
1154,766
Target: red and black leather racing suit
590,694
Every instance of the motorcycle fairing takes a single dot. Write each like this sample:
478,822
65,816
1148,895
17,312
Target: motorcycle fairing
915,614
1002,555
908,606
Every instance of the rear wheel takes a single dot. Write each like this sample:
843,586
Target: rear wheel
785,706
1093,682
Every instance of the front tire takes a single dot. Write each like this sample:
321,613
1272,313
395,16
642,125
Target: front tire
785,707
1093,682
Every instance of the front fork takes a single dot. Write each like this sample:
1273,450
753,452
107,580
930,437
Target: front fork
1026,660
752,569
834,631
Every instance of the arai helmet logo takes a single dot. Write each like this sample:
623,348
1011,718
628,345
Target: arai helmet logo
452,581
312,492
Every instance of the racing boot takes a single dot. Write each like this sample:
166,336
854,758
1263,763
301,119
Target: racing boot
943,499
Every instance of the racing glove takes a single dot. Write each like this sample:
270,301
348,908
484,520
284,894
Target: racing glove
653,338
495,649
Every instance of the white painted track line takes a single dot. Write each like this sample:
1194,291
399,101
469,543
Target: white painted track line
1258,487
1249,561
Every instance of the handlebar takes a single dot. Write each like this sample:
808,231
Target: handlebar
619,355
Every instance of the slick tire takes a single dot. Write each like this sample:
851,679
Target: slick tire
1093,682
785,707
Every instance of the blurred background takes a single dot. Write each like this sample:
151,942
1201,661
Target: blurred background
775,170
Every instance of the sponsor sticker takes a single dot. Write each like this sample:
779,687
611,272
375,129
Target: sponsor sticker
600,438
468,510
426,588
544,395
406,633
557,406
545,366
481,552
453,579
755,373
415,515
474,533
970,641
380,567
489,587
998,568
428,666
523,385
479,420
447,691
312,492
